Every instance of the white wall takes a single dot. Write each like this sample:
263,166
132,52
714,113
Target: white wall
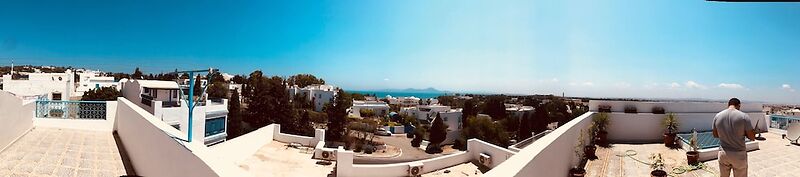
156,149
346,168
16,117
678,107
551,155
646,127
38,86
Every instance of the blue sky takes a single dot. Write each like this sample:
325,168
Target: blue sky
657,49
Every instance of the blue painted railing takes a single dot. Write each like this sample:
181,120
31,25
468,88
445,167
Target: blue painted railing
71,109
780,121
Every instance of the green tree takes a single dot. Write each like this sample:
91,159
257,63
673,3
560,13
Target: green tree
495,107
540,120
485,129
525,127
101,94
438,133
234,116
419,134
239,79
218,90
216,77
259,106
358,96
303,80
366,113
137,74
198,89
337,116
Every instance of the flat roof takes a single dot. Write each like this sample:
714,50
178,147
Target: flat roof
158,84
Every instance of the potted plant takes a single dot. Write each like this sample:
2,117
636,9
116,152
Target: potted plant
671,123
600,122
579,149
604,108
589,151
658,110
631,109
693,156
657,166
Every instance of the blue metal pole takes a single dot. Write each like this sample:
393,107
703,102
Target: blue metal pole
191,102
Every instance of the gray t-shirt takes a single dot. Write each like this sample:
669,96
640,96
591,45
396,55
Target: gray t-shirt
732,125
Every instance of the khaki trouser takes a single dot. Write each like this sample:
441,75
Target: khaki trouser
732,160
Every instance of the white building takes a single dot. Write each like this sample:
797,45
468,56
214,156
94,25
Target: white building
164,100
92,80
452,118
403,101
424,112
52,86
517,110
318,95
378,107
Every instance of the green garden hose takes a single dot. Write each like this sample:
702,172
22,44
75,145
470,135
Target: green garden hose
675,170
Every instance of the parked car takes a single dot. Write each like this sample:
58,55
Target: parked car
383,132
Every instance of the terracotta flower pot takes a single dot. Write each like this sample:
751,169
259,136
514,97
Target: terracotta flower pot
589,152
692,157
669,139
577,172
658,173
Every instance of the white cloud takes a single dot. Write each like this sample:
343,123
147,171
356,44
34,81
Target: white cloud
694,85
385,79
588,84
674,85
554,80
730,86
787,87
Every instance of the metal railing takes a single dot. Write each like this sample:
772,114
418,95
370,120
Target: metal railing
524,143
71,109
781,121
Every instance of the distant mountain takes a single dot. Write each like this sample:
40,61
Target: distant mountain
414,90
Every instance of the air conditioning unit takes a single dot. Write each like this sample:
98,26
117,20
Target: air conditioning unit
485,160
329,155
415,169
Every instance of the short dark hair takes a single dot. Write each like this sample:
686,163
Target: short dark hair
734,102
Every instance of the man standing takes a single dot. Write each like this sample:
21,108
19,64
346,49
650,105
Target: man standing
731,126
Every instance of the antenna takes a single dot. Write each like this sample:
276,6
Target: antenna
191,103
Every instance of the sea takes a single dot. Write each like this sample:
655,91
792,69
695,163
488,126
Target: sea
382,94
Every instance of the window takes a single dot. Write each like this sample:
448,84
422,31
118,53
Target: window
215,126
146,90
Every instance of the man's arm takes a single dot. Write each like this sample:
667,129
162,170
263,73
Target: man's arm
751,135
749,131
714,127
714,130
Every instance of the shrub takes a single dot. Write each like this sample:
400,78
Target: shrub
368,149
630,109
460,144
604,108
658,110
101,94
